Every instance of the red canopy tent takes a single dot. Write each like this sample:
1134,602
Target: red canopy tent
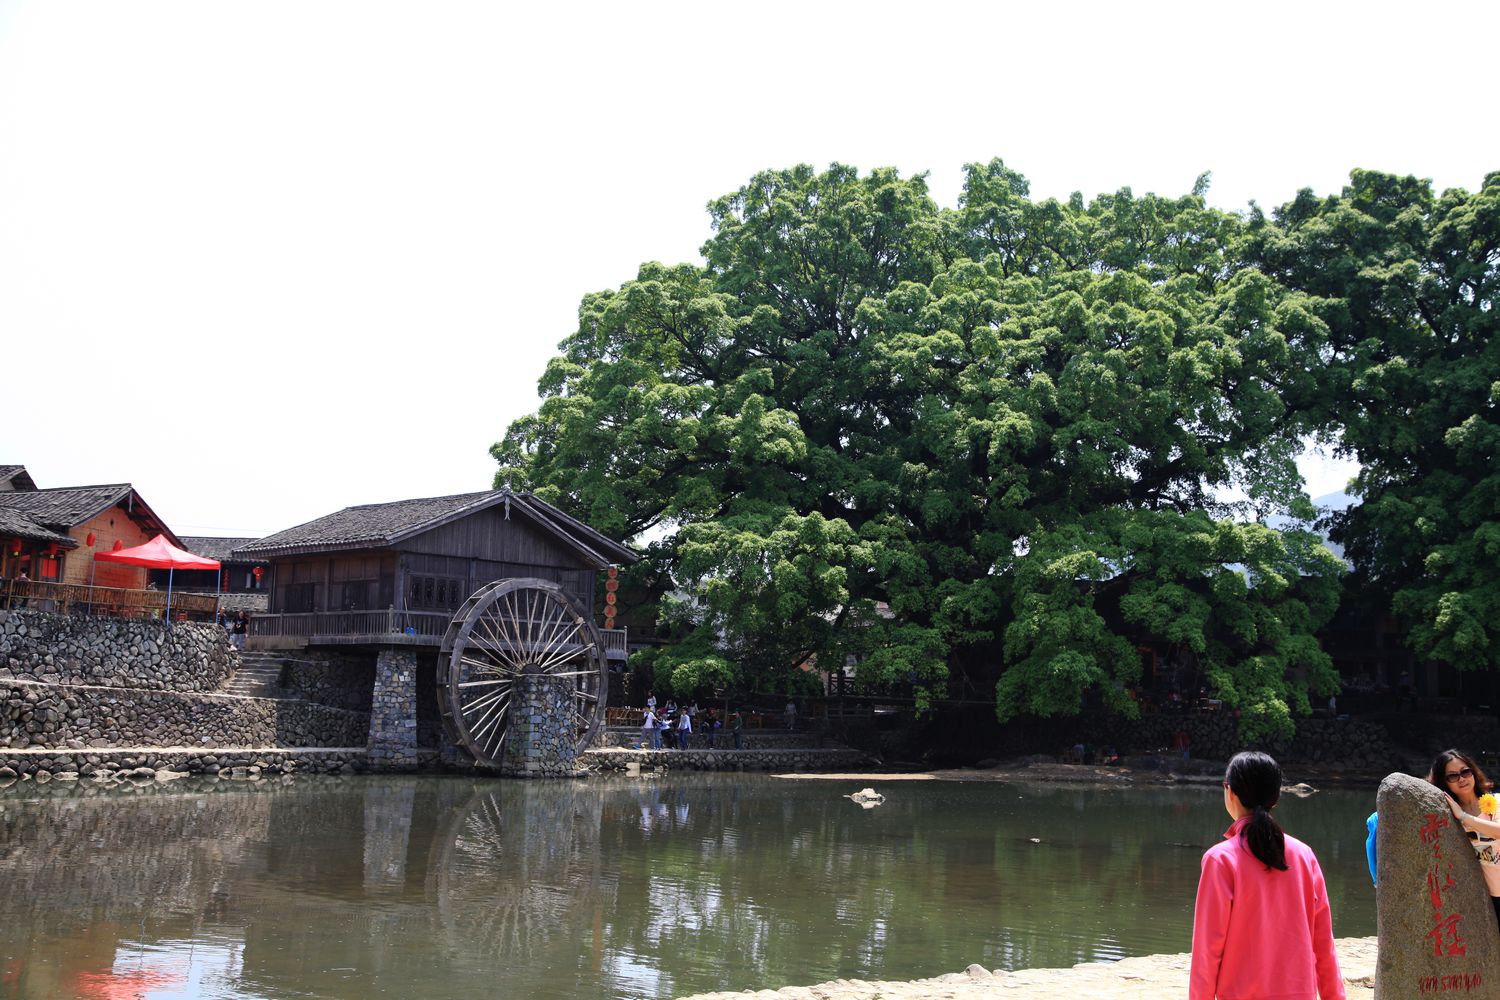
159,554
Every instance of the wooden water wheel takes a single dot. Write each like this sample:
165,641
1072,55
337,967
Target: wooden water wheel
509,629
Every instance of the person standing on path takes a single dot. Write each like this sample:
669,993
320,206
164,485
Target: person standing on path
1262,928
791,715
652,726
684,729
737,726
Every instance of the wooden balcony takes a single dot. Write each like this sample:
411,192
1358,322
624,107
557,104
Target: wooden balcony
81,599
373,628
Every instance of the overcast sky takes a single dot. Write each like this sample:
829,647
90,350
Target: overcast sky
267,260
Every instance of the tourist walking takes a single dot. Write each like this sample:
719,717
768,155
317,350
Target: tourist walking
737,726
1468,788
241,626
1261,926
790,715
652,726
684,729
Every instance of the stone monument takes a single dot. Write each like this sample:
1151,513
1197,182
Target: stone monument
1437,927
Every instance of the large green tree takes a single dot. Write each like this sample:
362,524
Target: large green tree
1406,283
977,446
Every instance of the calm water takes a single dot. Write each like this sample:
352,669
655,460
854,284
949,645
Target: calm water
449,887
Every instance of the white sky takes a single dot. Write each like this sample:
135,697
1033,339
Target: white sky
342,239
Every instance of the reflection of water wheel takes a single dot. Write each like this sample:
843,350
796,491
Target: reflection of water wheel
506,630
515,871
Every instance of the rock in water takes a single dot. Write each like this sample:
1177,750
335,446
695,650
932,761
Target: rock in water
1437,925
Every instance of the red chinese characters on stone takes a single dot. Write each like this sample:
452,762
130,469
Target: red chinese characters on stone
1445,936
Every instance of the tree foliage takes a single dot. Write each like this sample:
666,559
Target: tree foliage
1406,284
975,448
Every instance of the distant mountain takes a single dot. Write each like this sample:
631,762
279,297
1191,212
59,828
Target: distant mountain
1327,503
1334,501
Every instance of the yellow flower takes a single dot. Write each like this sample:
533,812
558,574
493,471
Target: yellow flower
1488,804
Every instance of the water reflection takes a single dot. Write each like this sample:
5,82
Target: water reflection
329,887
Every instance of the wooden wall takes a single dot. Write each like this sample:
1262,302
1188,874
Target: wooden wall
488,535
435,571
107,526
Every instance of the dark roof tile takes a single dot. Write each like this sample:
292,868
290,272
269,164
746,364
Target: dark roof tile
382,524
215,547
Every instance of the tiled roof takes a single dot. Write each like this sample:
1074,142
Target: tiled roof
383,524
215,547
63,508
14,524
15,477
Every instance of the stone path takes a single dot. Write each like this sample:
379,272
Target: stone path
1152,977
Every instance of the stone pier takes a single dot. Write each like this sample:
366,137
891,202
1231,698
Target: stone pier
542,737
393,711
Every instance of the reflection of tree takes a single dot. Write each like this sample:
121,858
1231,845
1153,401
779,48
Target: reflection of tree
366,886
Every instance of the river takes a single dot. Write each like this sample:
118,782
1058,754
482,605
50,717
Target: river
600,889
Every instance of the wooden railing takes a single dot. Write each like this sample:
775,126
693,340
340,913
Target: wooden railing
80,599
415,628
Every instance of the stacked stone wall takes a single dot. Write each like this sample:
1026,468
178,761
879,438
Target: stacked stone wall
148,768
962,737
619,759
542,741
336,679
78,717
114,652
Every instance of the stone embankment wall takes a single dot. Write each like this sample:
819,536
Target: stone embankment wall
957,738
74,684
618,759
336,679
146,766
754,739
113,652
78,717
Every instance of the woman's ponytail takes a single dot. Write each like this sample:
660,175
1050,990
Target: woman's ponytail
1255,779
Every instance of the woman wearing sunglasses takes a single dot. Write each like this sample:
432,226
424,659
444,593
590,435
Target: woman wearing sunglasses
1458,774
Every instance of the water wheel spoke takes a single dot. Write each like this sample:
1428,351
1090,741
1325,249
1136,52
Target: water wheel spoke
495,717
507,631
562,655
487,672
498,644
558,623
480,704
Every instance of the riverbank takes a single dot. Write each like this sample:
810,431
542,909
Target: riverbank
1149,977
1141,772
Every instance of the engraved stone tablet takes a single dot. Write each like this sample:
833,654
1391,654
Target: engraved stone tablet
1438,935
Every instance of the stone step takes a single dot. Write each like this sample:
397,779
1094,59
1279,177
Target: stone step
258,676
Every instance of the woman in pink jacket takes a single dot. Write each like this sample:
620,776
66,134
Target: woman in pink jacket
1262,929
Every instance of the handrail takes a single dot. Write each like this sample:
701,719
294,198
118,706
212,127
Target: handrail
417,625
80,598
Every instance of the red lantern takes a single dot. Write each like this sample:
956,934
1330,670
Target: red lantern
52,550
610,600
613,572
258,572
89,541
118,545
15,547
611,585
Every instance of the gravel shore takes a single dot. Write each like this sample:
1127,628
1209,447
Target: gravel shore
1150,977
